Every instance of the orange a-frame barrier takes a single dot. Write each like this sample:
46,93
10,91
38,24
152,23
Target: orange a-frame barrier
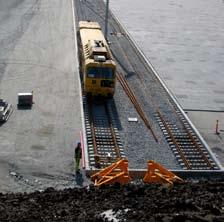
115,173
158,174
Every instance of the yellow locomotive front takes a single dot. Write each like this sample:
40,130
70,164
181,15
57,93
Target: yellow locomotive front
97,65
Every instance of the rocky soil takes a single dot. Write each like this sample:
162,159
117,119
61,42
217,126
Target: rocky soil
202,201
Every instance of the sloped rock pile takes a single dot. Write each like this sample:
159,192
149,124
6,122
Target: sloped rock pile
202,201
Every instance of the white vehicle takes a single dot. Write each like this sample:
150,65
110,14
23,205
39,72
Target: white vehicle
5,110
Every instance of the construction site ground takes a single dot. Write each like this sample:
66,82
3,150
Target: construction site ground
37,53
199,202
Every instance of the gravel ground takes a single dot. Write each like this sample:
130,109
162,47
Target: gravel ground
139,146
201,202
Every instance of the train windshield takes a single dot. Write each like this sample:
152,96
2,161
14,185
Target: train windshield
100,72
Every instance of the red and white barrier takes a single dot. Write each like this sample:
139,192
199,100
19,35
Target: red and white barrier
83,151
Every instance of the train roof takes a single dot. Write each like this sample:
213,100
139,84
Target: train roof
93,41
89,25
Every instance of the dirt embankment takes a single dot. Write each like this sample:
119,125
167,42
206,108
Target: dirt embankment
202,201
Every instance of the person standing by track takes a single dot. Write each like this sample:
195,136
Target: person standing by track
78,156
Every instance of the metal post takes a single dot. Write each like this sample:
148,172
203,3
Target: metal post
106,19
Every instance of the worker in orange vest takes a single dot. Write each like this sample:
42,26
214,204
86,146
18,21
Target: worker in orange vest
78,156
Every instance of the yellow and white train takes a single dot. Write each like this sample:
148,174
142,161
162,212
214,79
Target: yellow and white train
97,66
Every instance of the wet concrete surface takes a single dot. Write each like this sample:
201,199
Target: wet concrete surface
184,42
37,53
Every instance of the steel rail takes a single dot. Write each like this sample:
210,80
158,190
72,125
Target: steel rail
198,147
116,147
174,141
96,154
136,105
134,101
109,142
191,162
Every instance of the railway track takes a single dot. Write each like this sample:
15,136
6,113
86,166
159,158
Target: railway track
188,150
153,103
103,140
186,147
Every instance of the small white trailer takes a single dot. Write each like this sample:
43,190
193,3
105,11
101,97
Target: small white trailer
25,99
